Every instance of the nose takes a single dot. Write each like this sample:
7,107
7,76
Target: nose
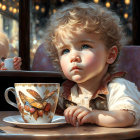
75,58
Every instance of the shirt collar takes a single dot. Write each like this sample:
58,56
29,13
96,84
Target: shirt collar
67,85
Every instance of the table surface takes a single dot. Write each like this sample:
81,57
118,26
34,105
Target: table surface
65,132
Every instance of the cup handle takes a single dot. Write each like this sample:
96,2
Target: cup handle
7,98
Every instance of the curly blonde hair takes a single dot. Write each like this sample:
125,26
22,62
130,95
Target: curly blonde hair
90,17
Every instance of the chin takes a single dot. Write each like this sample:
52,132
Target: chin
78,79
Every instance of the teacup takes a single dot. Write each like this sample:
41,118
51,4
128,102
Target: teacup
9,64
36,101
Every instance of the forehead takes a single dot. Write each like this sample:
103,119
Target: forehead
66,36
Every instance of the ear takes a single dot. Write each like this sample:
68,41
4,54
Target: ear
112,54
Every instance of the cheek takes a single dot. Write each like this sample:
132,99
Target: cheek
64,65
94,60
89,60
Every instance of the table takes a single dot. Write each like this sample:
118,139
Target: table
65,132
8,78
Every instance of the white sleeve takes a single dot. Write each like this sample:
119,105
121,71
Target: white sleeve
124,95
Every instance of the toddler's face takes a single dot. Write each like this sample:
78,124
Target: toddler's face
3,52
82,56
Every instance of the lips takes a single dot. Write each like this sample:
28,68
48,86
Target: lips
75,68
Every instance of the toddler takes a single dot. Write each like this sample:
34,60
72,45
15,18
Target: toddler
4,49
85,39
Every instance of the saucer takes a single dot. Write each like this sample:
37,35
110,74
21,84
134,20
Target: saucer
18,121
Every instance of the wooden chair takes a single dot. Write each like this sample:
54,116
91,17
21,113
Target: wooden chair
129,61
41,61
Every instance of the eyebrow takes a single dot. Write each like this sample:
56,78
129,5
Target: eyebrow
87,40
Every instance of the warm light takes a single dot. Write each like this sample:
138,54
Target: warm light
4,7
107,4
17,3
62,0
127,2
10,9
96,1
43,10
37,7
14,10
54,10
125,15
0,5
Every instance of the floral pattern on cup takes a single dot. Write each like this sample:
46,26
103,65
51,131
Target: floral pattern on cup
36,101
36,107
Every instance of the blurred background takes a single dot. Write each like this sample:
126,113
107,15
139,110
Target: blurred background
40,11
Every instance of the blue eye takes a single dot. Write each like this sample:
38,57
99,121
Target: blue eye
65,51
85,46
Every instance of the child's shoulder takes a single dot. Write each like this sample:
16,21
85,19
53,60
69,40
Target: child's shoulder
122,84
121,81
